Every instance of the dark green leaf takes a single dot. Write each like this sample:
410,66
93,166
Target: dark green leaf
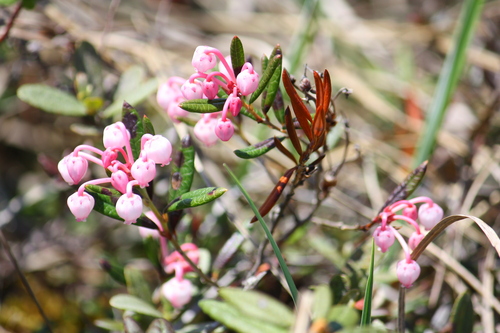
200,328
257,149
133,122
182,170
237,55
196,198
137,274
203,105
271,68
135,304
337,287
148,125
135,97
462,317
272,89
160,325
29,4
258,306
114,270
51,100
152,248
239,321
263,62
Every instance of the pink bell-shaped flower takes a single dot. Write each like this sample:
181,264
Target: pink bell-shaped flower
62,166
129,207
415,239
383,238
203,60
192,90
77,167
81,205
175,260
407,272
429,215
143,170
234,104
204,130
108,156
115,136
210,89
411,212
119,180
247,80
178,292
159,149
224,129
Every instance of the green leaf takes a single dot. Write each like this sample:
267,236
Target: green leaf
257,305
115,271
344,315
237,55
462,317
160,325
109,324
263,62
277,252
196,198
322,302
135,304
133,123
246,113
7,2
182,170
130,80
448,78
88,61
51,100
130,325
257,149
148,125
29,4
272,89
271,68
135,97
235,320
135,276
203,105
366,315
337,287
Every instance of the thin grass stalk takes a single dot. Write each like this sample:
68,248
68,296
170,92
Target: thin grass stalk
366,315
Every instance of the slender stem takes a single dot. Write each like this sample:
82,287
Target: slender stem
9,25
401,310
24,280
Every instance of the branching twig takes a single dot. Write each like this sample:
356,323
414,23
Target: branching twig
9,25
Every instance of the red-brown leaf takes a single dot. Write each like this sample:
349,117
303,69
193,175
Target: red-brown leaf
292,133
299,108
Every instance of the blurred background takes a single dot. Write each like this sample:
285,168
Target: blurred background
389,52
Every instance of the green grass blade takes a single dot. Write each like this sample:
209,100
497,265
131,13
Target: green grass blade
448,79
277,252
366,315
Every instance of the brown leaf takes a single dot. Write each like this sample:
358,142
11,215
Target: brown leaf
292,133
299,108
283,149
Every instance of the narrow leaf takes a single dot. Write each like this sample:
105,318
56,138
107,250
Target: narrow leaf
462,317
257,149
366,315
130,80
136,282
182,169
196,198
114,270
274,195
264,60
271,68
203,105
237,55
133,123
51,100
279,106
292,133
135,97
135,304
299,108
283,150
258,306
272,89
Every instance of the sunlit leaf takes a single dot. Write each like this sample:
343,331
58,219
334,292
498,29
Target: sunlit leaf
257,149
135,304
51,100
196,198
203,105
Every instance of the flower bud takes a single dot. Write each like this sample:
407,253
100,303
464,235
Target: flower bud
115,136
210,89
192,90
411,212
429,215
129,208
159,149
77,167
178,292
415,239
247,80
407,272
202,61
108,156
143,170
234,104
224,129
204,130
383,238
119,180
62,166
81,205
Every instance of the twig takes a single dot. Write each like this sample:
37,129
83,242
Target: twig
24,280
9,25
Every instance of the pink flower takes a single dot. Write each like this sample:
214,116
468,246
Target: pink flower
407,272
119,180
247,80
178,292
415,239
108,156
203,59
167,93
430,215
192,90
129,207
234,104
210,89
204,130
115,136
62,166
158,149
143,170
224,129
81,205
175,261
411,212
384,238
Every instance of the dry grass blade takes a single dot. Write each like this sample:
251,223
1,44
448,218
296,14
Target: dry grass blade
283,149
301,112
292,133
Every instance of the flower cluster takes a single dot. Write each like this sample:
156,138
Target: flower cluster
428,214
205,84
178,290
125,172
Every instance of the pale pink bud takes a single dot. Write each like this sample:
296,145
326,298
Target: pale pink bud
224,129
159,149
415,239
247,80
119,180
383,238
166,95
143,170
62,166
411,212
192,90
129,208
407,272
234,105
115,136
77,167
210,89
108,156
429,215
204,130
81,205
202,61
178,292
